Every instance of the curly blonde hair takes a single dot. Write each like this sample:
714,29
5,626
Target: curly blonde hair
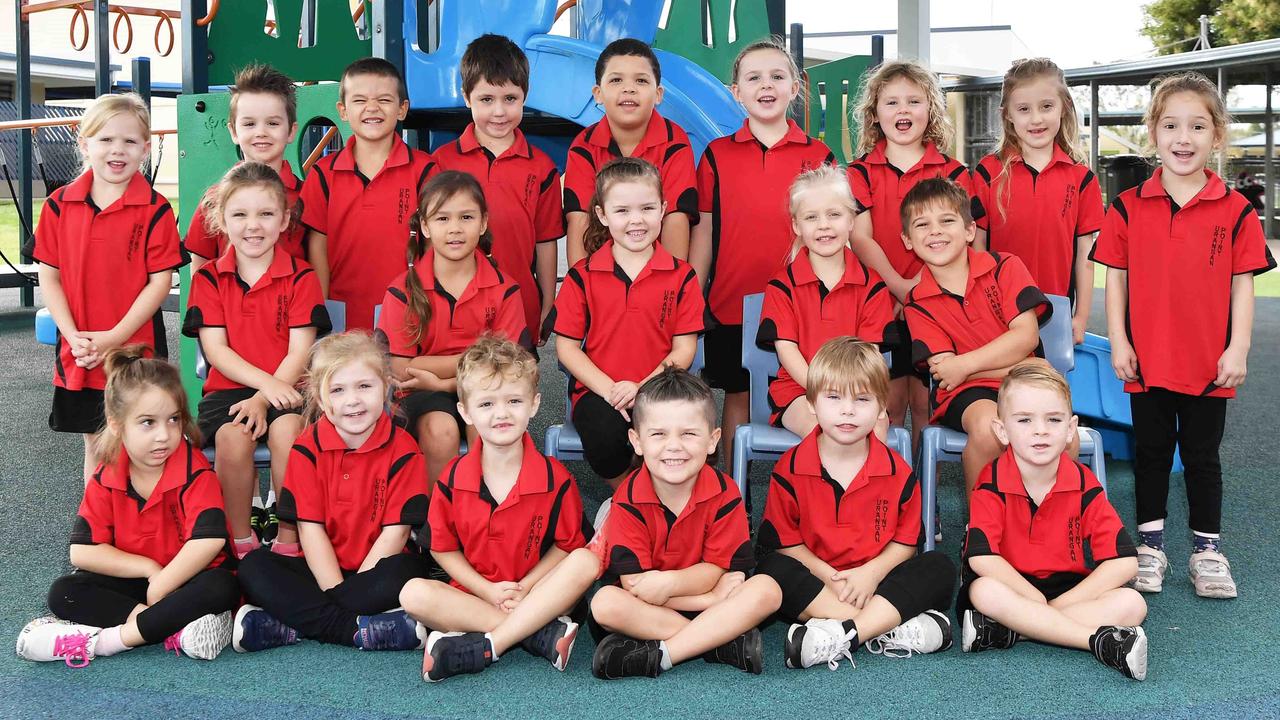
939,131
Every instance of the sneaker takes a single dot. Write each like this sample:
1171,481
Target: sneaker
819,641
1211,574
553,642
394,630
258,520
619,656
1152,564
48,638
255,629
979,632
270,524
1122,648
745,652
203,638
928,632
455,653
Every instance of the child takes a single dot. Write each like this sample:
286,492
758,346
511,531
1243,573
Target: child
506,524
263,121
1046,556
150,536
357,203
676,546
741,239
355,486
904,130
846,564
972,316
823,293
521,184
1035,197
107,245
624,312
628,87
256,311
450,296
1181,251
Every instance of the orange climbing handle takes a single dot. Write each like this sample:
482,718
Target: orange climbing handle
318,150
213,13
564,6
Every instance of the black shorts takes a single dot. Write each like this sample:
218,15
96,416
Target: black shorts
924,582
212,413
77,411
420,402
723,369
604,436
900,364
954,415
1051,587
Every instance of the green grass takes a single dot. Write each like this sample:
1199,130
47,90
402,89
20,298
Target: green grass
9,227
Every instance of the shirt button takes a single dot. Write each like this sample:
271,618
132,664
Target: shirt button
346,476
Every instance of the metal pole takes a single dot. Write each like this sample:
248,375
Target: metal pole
1222,89
101,48
195,47
308,30
877,50
22,72
913,30
1268,168
141,74
1093,125
388,40
776,10
796,43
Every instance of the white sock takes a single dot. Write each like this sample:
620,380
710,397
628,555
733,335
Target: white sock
109,642
1153,526
492,651
246,540
666,655
271,498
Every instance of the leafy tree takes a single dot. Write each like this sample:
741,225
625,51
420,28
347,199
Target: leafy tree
1241,21
1172,25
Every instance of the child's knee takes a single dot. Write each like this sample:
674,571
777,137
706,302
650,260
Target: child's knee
582,565
418,593
231,440
283,433
608,606
764,593
440,431
1132,606
987,595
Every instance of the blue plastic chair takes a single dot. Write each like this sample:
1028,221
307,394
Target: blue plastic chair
939,444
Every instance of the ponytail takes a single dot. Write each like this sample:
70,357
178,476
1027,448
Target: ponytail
623,169
129,372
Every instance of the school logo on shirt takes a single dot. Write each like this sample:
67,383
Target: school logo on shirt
490,315
668,307
135,240
379,499
405,205
1219,242
530,190
882,517
176,517
1073,536
1069,200
992,292
282,313
535,535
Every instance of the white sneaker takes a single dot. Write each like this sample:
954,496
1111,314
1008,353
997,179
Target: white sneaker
1211,574
1152,564
819,641
203,638
48,638
928,632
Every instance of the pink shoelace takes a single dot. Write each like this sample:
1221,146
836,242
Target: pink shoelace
73,649
174,643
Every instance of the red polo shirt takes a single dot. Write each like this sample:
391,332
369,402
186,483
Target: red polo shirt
879,187
257,319
503,541
1072,530
1038,215
1180,262
642,534
626,326
366,221
490,303
664,144
186,504
522,190
211,245
745,186
355,493
844,527
799,308
999,290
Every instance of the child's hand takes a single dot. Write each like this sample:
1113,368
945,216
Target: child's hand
727,584
252,413
622,395
420,379
949,369
1078,325
1232,367
1125,361
653,587
502,592
859,586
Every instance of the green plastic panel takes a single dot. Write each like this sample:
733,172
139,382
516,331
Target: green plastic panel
237,37
833,92
683,33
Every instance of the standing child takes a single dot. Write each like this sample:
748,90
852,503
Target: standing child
521,184
1046,556
823,293
263,121
355,487
256,311
624,312
1035,197
846,564
506,524
450,296
357,203
904,130
744,232
1181,251
150,536
628,87
107,245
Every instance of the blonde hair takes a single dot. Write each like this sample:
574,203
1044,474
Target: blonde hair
848,365
1192,82
492,359
774,42
129,373
1036,373
244,175
1020,73
939,131
331,354
823,176
107,107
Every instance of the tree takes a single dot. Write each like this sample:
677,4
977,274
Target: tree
1173,25
1241,21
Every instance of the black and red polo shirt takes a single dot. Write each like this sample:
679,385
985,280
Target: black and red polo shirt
1072,529
366,221
626,325
879,188
999,290
799,308
1038,215
745,186
1180,261
503,541
186,504
105,257
664,144
293,240
355,493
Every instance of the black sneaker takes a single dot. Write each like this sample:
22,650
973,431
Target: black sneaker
270,524
455,653
619,656
553,642
1122,648
745,652
258,522
982,633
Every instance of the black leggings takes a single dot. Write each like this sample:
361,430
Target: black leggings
604,436
924,582
285,588
104,601
1161,420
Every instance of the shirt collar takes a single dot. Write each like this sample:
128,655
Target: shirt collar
137,193
346,159
655,134
1008,478
486,274
281,263
980,263
709,484
536,475
177,469
602,260
1059,156
879,463
932,156
854,272
1214,188
468,142
327,437
793,135
291,181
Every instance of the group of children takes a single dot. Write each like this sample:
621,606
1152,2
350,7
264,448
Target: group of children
449,259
